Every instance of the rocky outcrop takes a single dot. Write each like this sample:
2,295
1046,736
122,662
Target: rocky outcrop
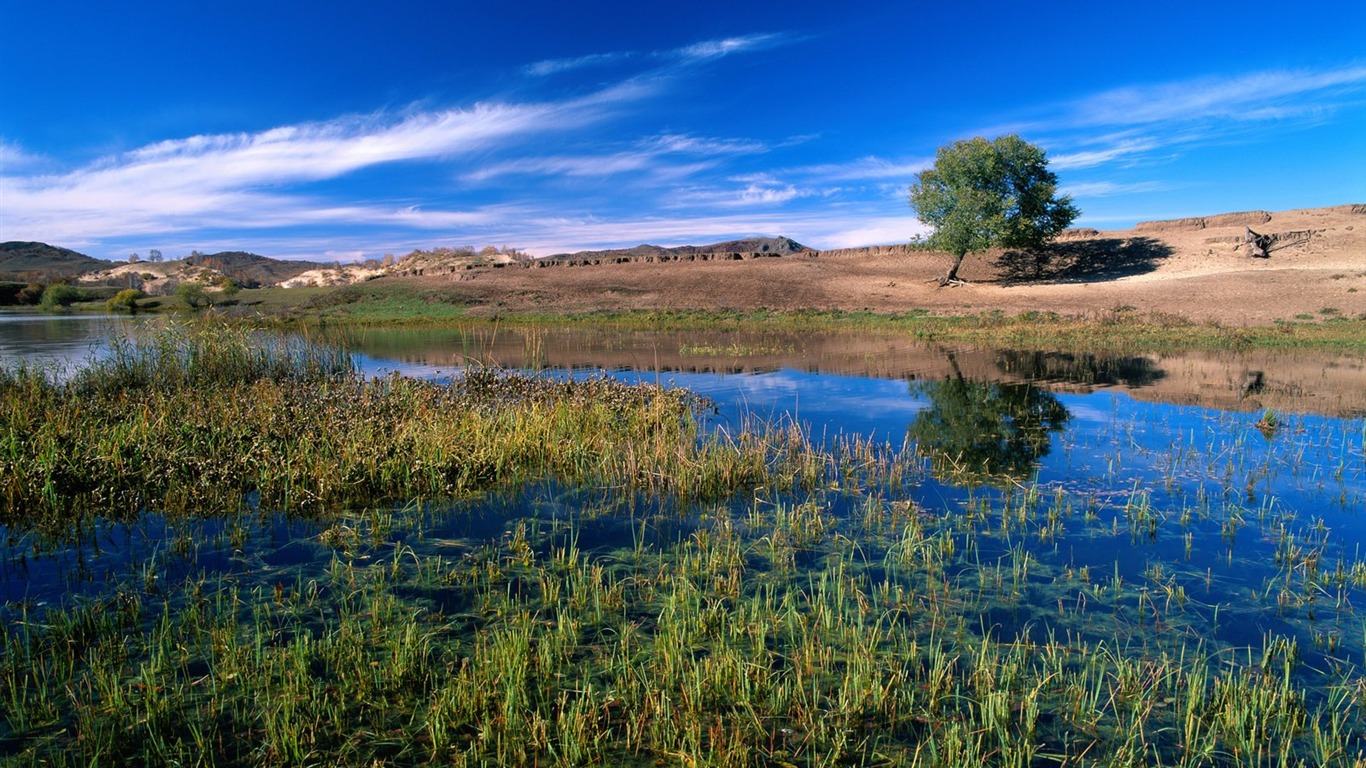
872,250
1243,219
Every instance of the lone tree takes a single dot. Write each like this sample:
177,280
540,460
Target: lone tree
982,194
193,294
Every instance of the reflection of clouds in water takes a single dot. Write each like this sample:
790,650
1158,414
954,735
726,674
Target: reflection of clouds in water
827,404
1095,408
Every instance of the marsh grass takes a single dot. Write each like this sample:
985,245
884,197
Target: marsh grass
214,420
657,595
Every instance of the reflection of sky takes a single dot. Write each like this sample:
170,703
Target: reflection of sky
826,404
64,341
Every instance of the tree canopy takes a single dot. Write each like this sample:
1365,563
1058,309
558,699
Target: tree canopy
193,294
982,194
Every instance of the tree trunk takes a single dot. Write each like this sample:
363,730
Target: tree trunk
952,276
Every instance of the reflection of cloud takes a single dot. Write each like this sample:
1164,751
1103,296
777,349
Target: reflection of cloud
1085,408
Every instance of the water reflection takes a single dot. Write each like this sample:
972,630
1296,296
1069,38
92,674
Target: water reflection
979,431
63,341
1297,381
1080,368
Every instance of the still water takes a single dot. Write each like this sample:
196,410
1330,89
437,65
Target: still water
64,341
1208,497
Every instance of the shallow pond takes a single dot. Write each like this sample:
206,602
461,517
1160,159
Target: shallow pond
1158,508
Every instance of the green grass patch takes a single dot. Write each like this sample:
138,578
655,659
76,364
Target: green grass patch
1118,331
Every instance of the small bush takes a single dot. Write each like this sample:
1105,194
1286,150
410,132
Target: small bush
59,296
193,294
125,300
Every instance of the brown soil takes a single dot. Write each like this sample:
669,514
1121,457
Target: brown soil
1193,268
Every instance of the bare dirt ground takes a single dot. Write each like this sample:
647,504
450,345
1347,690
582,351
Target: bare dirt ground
1198,269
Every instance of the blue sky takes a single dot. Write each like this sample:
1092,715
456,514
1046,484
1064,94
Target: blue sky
347,130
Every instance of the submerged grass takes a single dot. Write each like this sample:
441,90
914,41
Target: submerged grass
782,633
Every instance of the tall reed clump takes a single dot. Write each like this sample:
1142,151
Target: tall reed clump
211,419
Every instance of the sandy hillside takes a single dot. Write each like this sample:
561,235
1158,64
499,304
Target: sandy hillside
153,277
1196,268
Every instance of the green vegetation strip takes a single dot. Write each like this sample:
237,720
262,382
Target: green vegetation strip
1118,330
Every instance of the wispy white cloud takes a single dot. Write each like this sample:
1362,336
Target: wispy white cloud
695,53
1253,96
1110,188
866,169
251,180
703,145
761,195
1152,121
651,158
555,66
713,49
1111,150
15,158
758,195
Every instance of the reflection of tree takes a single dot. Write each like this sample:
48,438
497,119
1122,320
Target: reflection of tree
984,431
1082,368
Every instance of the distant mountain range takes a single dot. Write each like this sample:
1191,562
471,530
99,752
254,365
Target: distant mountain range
40,262
776,245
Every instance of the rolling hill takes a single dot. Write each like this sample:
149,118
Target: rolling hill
24,261
250,270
